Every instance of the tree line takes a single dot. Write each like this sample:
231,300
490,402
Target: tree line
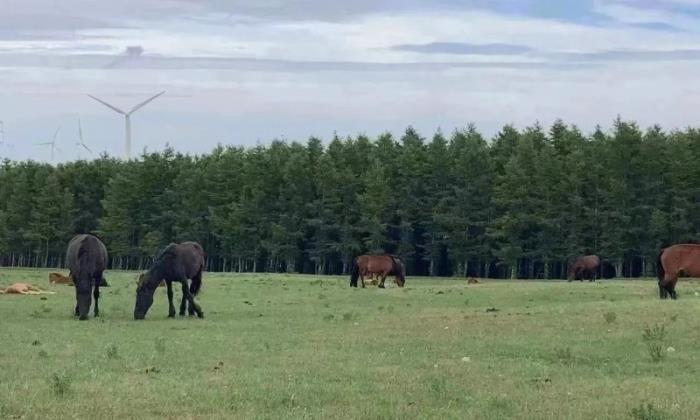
520,205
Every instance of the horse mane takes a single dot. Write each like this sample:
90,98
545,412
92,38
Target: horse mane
165,254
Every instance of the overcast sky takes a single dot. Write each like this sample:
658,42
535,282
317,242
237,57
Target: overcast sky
242,72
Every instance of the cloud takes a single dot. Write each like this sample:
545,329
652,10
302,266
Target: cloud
635,55
657,26
145,62
231,68
464,48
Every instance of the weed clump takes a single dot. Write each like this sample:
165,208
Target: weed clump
60,384
112,351
647,412
563,354
654,338
160,345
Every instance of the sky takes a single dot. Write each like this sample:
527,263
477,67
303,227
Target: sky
244,73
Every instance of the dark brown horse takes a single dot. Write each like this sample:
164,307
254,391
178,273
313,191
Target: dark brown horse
86,259
585,267
673,262
176,263
381,265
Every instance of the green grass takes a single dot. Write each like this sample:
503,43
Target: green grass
286,346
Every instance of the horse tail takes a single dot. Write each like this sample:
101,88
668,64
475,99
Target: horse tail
86,266
196,284
660,272
354,273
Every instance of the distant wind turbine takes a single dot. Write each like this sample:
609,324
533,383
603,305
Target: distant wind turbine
3,143
52,144
127,119
81,142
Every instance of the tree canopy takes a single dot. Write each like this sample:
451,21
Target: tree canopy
518,206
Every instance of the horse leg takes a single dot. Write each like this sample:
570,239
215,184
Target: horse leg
96,294
171,306
362,280
663,294
381,277
667,285
671,287
197,277
190,299
183,302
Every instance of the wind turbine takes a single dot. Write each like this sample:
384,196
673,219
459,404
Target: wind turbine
81,143
127,119
51,143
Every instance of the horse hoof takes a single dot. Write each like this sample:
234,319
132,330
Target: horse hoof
201,314
172,315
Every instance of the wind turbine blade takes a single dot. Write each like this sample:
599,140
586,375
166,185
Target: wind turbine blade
48,143
80,130
142,104
86,148
112,107
55,134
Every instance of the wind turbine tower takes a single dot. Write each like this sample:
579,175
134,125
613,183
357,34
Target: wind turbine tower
51,143
127,119
81,142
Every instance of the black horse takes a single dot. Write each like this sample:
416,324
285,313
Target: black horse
86,259
177,262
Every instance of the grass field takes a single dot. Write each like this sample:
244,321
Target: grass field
279,346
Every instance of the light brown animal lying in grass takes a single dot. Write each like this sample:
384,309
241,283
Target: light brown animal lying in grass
23,289
372,281
58,278
472,280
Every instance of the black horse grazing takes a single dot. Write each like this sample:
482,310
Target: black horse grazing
86,259
177,262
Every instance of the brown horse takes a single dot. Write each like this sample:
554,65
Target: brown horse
381,265
673,262
585,267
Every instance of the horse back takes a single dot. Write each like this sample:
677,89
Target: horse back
375,263
86,252
190,256
682,259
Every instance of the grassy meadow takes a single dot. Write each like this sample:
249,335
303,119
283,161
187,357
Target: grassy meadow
292,346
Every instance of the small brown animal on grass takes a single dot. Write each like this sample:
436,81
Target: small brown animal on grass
58,278
23,289
472,280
